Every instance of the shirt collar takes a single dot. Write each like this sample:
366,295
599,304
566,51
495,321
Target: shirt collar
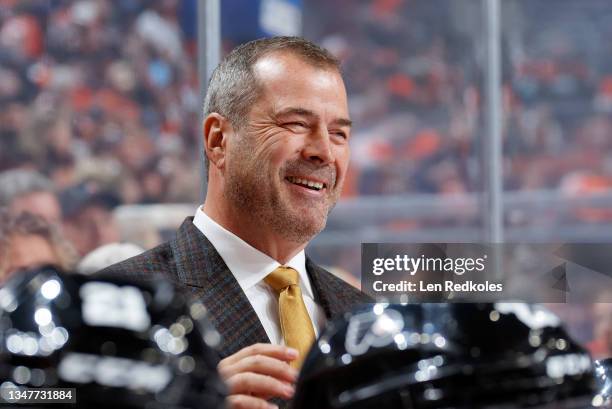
248,265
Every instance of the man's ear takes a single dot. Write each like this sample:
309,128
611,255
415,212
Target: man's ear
216,132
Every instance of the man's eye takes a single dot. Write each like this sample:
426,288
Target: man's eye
341,134
296,126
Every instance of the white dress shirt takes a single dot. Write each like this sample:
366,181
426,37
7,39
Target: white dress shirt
250,266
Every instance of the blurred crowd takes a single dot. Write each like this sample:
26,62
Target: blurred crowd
39,226
105,93
102,92
100,107
93,90
416,85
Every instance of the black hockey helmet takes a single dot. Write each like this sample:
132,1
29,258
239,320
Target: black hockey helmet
502,355
120,344
603,371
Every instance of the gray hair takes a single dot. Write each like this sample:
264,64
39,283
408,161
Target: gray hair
20,182
233,87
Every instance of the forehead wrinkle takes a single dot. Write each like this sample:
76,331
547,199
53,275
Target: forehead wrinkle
270,66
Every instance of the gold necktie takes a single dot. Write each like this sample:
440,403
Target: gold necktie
295,322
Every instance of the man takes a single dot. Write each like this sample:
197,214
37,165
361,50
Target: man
26,190
28,240
276,138
601,346
89,221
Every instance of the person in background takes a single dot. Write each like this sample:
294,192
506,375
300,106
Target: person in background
89,221
26,190
601,346
107,255
28,240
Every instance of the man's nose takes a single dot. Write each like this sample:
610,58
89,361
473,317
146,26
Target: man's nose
318,147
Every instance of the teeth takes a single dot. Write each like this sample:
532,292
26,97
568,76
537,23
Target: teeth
304,182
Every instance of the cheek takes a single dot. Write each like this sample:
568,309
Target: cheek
343,156
280,149
266,144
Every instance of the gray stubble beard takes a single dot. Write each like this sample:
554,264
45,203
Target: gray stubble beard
242,191
272,214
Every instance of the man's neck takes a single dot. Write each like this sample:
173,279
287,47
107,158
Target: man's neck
250,230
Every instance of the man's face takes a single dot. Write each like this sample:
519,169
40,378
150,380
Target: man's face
28,251
43,204
603,324
91,228
286,166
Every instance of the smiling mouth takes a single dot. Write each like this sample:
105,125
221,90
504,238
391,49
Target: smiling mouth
309,184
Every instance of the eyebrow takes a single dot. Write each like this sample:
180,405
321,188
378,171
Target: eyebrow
311,114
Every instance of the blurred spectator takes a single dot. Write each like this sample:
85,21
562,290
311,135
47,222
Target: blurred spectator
601,347
29,191
88,216
107,255
28,240
585,184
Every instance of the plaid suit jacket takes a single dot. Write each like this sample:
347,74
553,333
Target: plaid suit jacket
191,262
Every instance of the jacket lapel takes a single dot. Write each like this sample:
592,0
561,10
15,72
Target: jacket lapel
328,294
202,269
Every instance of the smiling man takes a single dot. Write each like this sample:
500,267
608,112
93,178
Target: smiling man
276,136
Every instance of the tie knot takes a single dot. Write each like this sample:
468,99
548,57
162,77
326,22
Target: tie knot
282,277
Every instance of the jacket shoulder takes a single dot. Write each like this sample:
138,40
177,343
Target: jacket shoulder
334,294
352,295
